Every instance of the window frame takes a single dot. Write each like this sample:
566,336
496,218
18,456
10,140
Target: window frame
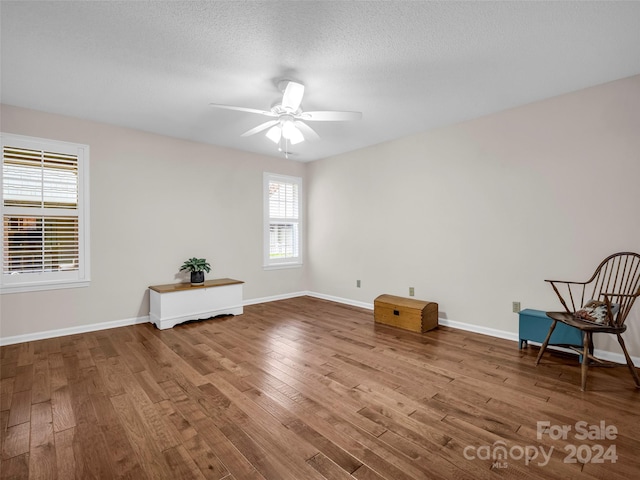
289,262
38,281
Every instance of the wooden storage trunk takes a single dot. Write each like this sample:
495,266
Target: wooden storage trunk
407,313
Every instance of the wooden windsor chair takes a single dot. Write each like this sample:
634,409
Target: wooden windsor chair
599,305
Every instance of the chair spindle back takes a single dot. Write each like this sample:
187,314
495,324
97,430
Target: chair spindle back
616,279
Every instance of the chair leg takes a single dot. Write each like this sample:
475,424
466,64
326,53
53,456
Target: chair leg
585,358
546,342
630,364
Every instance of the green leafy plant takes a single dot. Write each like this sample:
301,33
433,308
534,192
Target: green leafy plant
196,265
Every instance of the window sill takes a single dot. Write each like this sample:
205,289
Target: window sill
281,266
17,288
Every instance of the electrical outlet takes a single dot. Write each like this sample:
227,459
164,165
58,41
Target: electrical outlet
358,283
412,292
516,307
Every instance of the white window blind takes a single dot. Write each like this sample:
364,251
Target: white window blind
45,224
34,178
282,220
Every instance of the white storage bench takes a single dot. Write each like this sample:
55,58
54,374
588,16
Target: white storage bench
175,303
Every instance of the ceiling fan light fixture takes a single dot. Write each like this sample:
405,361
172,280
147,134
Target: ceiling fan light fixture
274,134
290,132
288,129
296,137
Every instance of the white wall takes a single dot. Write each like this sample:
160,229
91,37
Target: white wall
474,216
155,201
477,215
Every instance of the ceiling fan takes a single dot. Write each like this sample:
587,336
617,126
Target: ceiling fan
288,125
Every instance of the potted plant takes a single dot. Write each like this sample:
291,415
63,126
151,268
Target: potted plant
197,267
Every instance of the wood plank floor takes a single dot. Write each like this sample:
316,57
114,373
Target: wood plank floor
307,389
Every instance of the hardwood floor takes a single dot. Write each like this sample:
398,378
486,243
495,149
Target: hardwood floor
307,389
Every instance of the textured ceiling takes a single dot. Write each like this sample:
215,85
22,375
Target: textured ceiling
408,66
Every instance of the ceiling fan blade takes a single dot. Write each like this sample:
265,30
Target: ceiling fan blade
308,132
292,96
330,116
259,128
243,109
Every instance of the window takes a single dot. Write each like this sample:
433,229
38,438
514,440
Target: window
282,237
45,225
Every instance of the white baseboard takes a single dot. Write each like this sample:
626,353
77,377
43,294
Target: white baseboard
284,296
601,354
94,327
615,357
492,332
346,301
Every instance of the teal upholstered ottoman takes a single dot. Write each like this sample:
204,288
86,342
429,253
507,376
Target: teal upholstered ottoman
534,326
